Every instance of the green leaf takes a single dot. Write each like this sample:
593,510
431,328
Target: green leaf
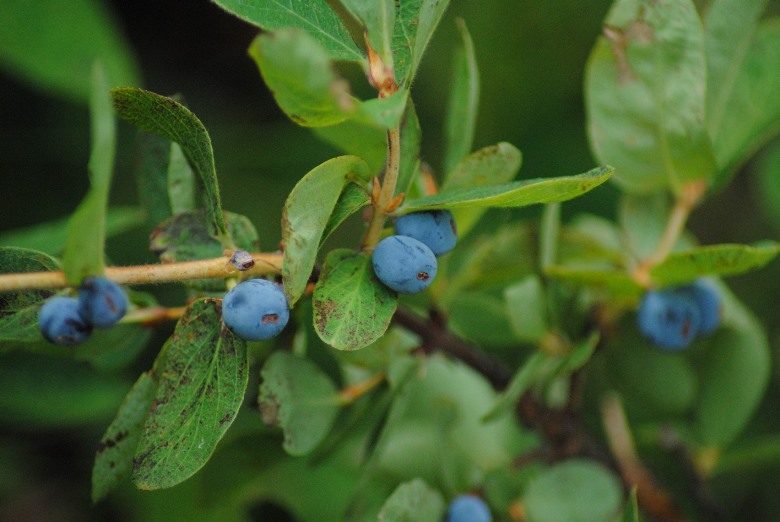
751,112
151,175
486,167
415,23
353,198
307,212
300,75
86,232
203,379
526,305
516,194
378,19
50,237
52,44
413,501
618,283
358,139
645,87
461,117
170,119
576,489
728,259
522,381
19,310
298,397
186,237
298,71
734,374
480,317
114,457
313,16
352,309
114,348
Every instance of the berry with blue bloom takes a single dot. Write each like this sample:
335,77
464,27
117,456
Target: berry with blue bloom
468,508
255,310
61,322
404,264
435,228
670,318
102,302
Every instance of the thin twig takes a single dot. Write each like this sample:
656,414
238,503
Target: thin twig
217,267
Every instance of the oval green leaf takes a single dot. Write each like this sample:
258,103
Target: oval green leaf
516,194
307,212
298,397
644,91
415,23
352,309
203,379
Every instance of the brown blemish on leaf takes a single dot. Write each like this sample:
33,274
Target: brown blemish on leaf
110,443
269,410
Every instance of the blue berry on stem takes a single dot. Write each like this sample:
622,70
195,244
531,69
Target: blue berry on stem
255,310
708,299
468,508
61,323
435,228
670,318
404,264
102,302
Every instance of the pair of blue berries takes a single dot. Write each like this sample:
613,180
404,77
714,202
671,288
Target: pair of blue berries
66,321
673,317
468,508
406,262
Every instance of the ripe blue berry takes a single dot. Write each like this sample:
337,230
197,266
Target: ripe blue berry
102,302
435,228
709,302
670,318
468,508
61,323
404,264
255,310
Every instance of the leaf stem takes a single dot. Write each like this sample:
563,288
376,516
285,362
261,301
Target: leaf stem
387,192
689,197
218,267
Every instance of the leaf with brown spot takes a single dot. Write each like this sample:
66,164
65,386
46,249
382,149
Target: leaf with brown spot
299,398
203,377
352,309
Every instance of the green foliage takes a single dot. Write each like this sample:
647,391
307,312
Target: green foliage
203,378
375,406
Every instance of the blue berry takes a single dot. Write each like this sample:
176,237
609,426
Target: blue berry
102,302
61,323
255,310
404,264
435,228
670,318
708,299
468,508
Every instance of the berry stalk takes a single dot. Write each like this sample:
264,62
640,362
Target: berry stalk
218,267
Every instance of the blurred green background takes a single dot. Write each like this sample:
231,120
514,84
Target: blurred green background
531,56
